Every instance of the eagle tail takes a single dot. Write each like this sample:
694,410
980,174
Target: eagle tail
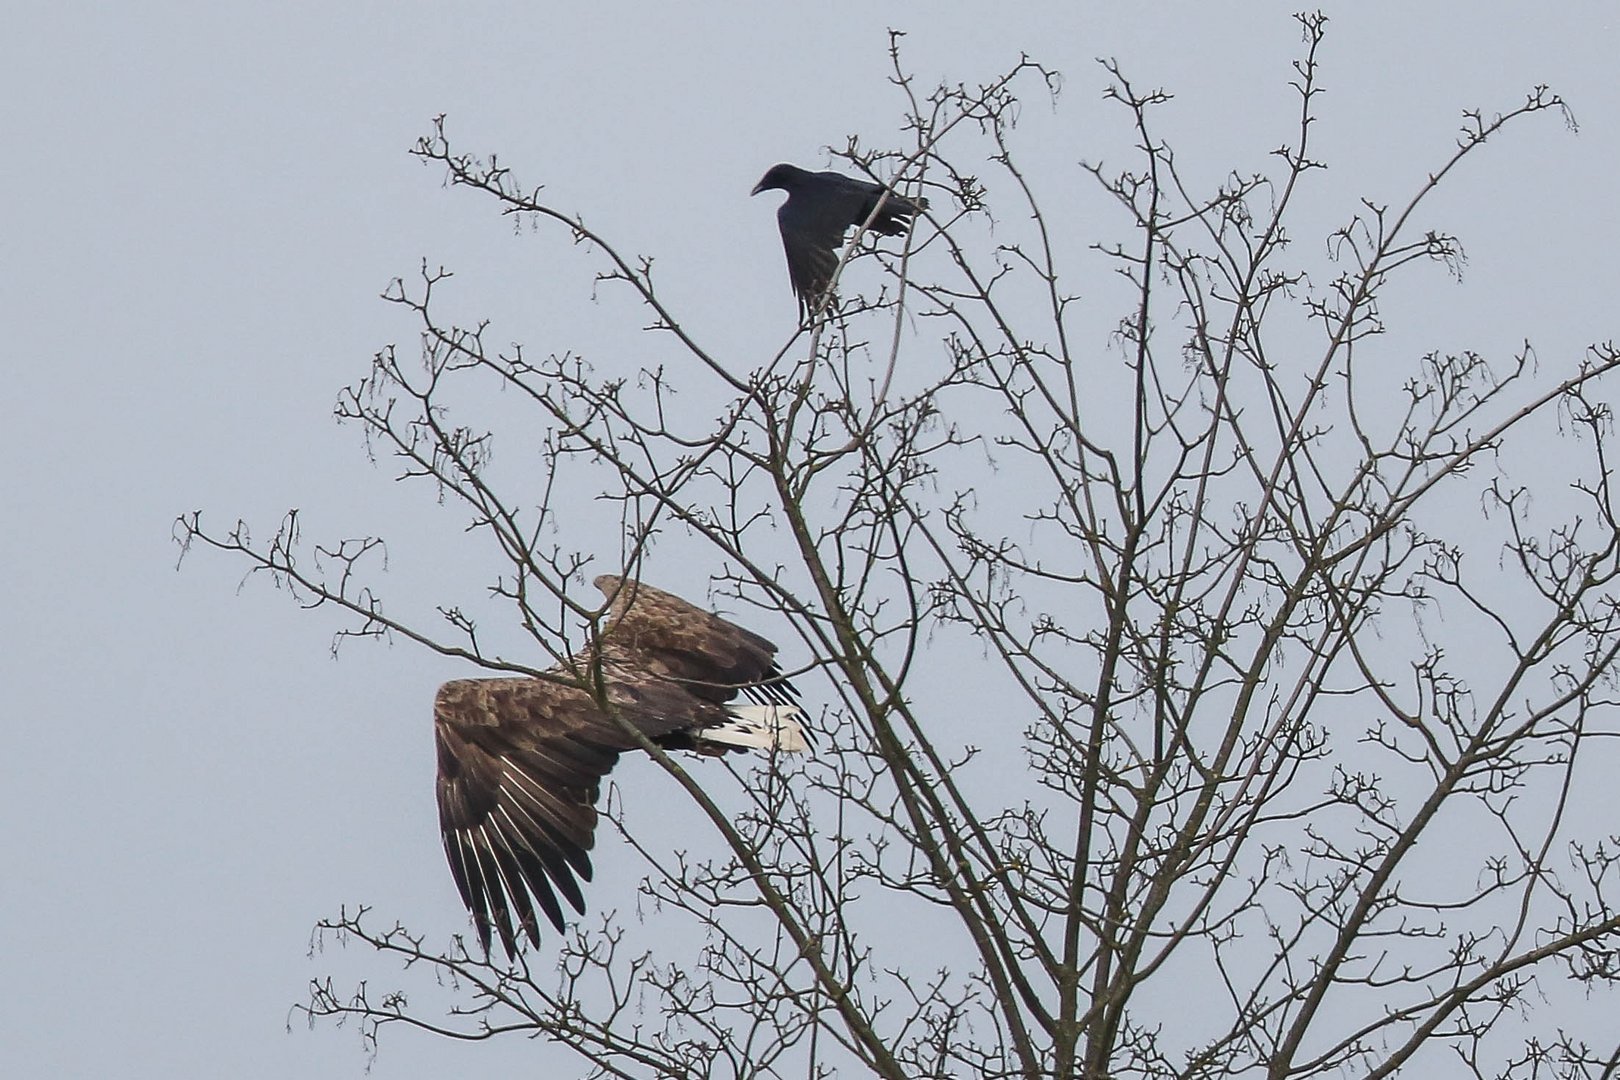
760,727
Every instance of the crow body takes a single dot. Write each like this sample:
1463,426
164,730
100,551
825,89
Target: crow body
820,208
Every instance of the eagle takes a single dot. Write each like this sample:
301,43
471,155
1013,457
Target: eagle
521,760
820,208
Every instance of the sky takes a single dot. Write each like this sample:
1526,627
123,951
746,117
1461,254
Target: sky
200,208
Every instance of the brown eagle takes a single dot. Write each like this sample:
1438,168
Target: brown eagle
521,759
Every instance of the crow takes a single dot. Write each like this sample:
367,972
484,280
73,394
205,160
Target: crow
820,208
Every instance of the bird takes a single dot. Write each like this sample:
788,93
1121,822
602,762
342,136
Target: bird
521,759
820,209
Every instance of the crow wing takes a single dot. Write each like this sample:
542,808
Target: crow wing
817,215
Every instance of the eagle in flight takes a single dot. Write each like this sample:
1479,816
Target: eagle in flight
820,208
521,760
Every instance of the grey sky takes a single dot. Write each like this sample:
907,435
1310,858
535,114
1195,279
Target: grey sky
200,206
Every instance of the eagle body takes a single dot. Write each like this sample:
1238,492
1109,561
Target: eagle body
521,760
821,208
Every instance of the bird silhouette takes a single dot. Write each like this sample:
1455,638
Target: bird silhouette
820,208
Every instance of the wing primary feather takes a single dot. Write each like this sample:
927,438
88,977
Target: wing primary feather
528,878
568,837
541,870
509,885
469,881
550,856
776,691
489,911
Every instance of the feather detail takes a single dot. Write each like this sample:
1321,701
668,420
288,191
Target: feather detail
760,727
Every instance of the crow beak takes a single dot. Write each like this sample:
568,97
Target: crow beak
759,187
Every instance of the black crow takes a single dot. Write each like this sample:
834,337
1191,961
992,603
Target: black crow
820,208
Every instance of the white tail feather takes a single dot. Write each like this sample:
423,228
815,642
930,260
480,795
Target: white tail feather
761,727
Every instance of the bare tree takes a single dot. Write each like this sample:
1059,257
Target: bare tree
1205,697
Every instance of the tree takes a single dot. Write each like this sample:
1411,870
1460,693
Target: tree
1288,706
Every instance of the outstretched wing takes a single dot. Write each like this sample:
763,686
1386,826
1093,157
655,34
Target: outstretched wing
520,766
819,211
857,200
811,241
521,760
653,632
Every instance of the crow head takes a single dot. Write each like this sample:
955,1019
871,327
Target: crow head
782,177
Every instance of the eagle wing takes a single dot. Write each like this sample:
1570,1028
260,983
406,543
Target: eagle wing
521,760
520,766
658,633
